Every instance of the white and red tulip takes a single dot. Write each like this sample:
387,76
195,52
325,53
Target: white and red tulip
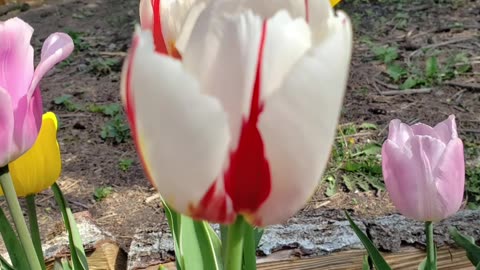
240,120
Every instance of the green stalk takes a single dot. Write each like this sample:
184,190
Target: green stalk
234,252
34,230
17,216
431,256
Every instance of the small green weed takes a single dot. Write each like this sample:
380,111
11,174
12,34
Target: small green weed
102,67
107,110
78,40
354,165
102,192
66,102
124,164
116,129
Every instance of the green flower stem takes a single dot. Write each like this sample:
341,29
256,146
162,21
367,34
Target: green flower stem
17,216
34,230
431,258
234,252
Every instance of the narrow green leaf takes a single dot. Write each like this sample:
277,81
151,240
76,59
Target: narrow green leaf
423,264
4,265
79,259
374,254
66,264
34,230
12,243
478,267
468,243
431,67
250,248
223,237
174,222
258,236
200,249
365,264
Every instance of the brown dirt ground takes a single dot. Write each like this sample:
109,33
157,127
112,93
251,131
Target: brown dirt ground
90,162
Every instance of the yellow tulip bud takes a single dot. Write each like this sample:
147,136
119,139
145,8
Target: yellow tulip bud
39,167
334,2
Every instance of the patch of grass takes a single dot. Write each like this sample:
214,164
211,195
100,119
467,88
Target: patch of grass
354,165
66,102
472,171
124,164
101,193
434,70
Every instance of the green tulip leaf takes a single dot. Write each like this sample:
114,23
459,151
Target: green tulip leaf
79,259
468,243
366,263
197,246
12,243
4,265
250,248
372,251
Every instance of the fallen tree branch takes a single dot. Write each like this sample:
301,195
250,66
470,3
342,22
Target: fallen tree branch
471,86
407,92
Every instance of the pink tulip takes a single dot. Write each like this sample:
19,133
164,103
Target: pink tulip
424,169
20,100
242,123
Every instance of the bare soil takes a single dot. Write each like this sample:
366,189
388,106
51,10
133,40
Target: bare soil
91,76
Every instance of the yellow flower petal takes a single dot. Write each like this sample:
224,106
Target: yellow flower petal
40,166
334,2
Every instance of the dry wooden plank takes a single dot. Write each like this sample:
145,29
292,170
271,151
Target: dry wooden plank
406,259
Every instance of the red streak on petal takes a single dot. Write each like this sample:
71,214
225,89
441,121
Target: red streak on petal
248,180
130,106
307,15
160,45
213,207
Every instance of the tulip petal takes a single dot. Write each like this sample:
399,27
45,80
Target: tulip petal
299,122
267,8
28,119
399,133
447,130
40,166
450,177
181,134
16,58
410,179
424,130
6,127
222,54
287,40
146,14
56,48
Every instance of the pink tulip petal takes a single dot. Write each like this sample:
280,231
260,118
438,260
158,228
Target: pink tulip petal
447,130
6,127
409,177
28,120
16,58
424,130
450,177
401,179
56,48
399,132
